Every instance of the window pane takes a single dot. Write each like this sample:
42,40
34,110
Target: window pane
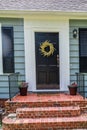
7,49
83,64
83,50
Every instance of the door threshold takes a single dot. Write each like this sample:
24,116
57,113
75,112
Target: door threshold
47,90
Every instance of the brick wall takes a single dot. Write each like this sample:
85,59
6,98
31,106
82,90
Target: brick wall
2,103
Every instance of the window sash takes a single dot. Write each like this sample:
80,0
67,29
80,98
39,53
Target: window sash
1,61
83,50
7,50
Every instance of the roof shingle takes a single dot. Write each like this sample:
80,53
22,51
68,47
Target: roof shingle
45,5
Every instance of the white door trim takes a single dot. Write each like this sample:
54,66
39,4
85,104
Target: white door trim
30,27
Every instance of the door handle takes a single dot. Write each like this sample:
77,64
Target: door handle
57,58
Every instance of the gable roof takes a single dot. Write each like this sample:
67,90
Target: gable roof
45,5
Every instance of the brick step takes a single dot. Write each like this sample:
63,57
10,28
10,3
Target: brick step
13,105
79,122
44,112
45,100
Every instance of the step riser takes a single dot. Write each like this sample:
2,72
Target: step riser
12,106
46,126
45,114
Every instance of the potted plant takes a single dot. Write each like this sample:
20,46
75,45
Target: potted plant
23,88
73,88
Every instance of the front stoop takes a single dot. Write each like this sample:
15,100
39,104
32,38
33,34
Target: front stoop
44,100
46,112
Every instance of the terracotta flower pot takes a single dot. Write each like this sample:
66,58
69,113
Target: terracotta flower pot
72,90
23,91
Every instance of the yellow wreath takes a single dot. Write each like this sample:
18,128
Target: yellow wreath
44,45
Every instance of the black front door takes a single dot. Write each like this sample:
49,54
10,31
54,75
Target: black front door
47,60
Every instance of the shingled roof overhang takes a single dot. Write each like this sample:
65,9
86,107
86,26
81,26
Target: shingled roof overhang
44,5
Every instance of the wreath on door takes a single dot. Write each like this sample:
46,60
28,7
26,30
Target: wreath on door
48,52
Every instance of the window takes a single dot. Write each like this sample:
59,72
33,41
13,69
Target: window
83,50
7,50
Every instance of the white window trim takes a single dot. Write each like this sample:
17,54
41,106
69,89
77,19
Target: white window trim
1,60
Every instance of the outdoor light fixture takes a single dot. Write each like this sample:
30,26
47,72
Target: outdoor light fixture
75,33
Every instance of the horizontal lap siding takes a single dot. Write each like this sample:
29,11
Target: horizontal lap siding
74,47
19,58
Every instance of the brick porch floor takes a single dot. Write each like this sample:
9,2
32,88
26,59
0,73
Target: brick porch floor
46,112
42,97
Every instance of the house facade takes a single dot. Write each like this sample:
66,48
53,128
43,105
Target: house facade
47,46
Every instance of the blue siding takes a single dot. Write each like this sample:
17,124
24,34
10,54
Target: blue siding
18,28
74,47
